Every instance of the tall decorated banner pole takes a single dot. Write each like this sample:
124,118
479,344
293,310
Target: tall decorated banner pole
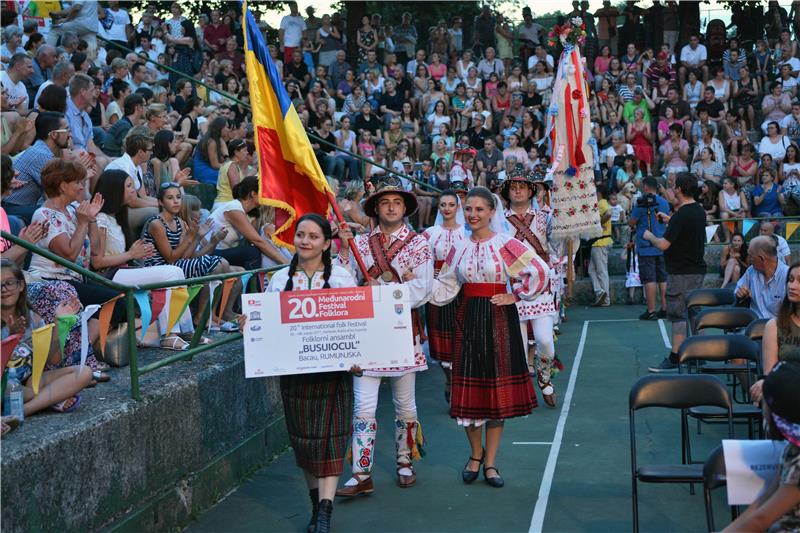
568,126
290,178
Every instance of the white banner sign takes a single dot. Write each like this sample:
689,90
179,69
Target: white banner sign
301,332
750,465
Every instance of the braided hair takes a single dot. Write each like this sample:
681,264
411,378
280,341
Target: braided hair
327,261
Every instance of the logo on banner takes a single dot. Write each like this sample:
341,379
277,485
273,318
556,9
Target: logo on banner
255,327
255,315
397,294
352,303
398,308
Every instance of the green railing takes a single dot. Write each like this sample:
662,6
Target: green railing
315,138
128,291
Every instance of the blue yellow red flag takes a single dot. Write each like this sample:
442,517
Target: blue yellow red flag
290,177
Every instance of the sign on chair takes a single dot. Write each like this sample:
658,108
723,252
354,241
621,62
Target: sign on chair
750,466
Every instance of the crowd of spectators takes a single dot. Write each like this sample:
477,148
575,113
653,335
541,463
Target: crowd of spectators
121,154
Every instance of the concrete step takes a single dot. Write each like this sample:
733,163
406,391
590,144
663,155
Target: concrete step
583,293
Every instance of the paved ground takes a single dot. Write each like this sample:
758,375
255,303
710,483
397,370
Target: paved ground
566,469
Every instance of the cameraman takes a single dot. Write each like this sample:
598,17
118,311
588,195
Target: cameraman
652,270
683,245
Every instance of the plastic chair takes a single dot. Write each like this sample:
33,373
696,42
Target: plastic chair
720,349
699,298
714,478
755,331
673,392
729,319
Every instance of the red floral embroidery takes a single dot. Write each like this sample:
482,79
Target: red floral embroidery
576,94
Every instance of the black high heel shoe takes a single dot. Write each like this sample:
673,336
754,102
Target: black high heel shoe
468,476
496,482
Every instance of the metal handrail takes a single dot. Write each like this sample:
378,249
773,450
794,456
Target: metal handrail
248,106
130,305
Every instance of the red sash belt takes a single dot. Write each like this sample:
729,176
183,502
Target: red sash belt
483,290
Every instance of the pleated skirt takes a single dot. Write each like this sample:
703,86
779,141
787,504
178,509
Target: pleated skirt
319,413
490,378
442,330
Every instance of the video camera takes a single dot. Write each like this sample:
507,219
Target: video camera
647,201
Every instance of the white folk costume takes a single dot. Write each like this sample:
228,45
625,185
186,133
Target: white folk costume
441,320
459,172
490,374
387,259
537,316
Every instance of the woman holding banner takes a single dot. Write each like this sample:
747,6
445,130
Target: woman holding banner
490,373
318,407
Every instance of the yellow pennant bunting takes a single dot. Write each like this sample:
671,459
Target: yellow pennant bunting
180,299
104,319
791,227
42,338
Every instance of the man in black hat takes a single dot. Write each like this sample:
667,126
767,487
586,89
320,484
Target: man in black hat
530,224
393,253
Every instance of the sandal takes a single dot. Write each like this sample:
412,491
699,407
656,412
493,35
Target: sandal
100,377
9,424
232,326
174,343
102,366
64,406
189,336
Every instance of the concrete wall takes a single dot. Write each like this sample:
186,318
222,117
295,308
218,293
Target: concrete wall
143,466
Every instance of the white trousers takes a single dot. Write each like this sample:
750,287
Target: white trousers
158,274
366,390
545,345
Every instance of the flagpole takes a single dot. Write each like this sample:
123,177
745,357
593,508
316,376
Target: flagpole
353,247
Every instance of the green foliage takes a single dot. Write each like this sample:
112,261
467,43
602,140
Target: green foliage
192,10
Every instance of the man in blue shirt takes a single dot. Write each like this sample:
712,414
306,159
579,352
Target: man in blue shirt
52,138
764,281
652,269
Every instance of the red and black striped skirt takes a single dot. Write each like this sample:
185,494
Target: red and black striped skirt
490,378
442,329
319,414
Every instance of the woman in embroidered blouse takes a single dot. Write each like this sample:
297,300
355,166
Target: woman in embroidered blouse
490,380
72,232
318,407
443,236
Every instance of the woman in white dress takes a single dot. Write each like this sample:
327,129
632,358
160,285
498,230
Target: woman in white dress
445,234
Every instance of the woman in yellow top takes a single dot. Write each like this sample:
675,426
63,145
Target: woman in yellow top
233,170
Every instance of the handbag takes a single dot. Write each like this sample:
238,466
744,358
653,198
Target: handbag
116,352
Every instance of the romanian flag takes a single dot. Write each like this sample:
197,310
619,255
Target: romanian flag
290,177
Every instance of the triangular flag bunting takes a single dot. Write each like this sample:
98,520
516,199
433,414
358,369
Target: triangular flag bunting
212,288
245,280
7,348
262,280
143,299
791,227
42,338
730,225
226,293
158,299
747,225
105,320
86,314
711,231
177,302
64,325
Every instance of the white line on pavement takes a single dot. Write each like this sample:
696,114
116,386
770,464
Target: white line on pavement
534,443
537,520
664,335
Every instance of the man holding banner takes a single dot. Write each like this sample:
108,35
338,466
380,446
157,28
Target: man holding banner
393,253
683,245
